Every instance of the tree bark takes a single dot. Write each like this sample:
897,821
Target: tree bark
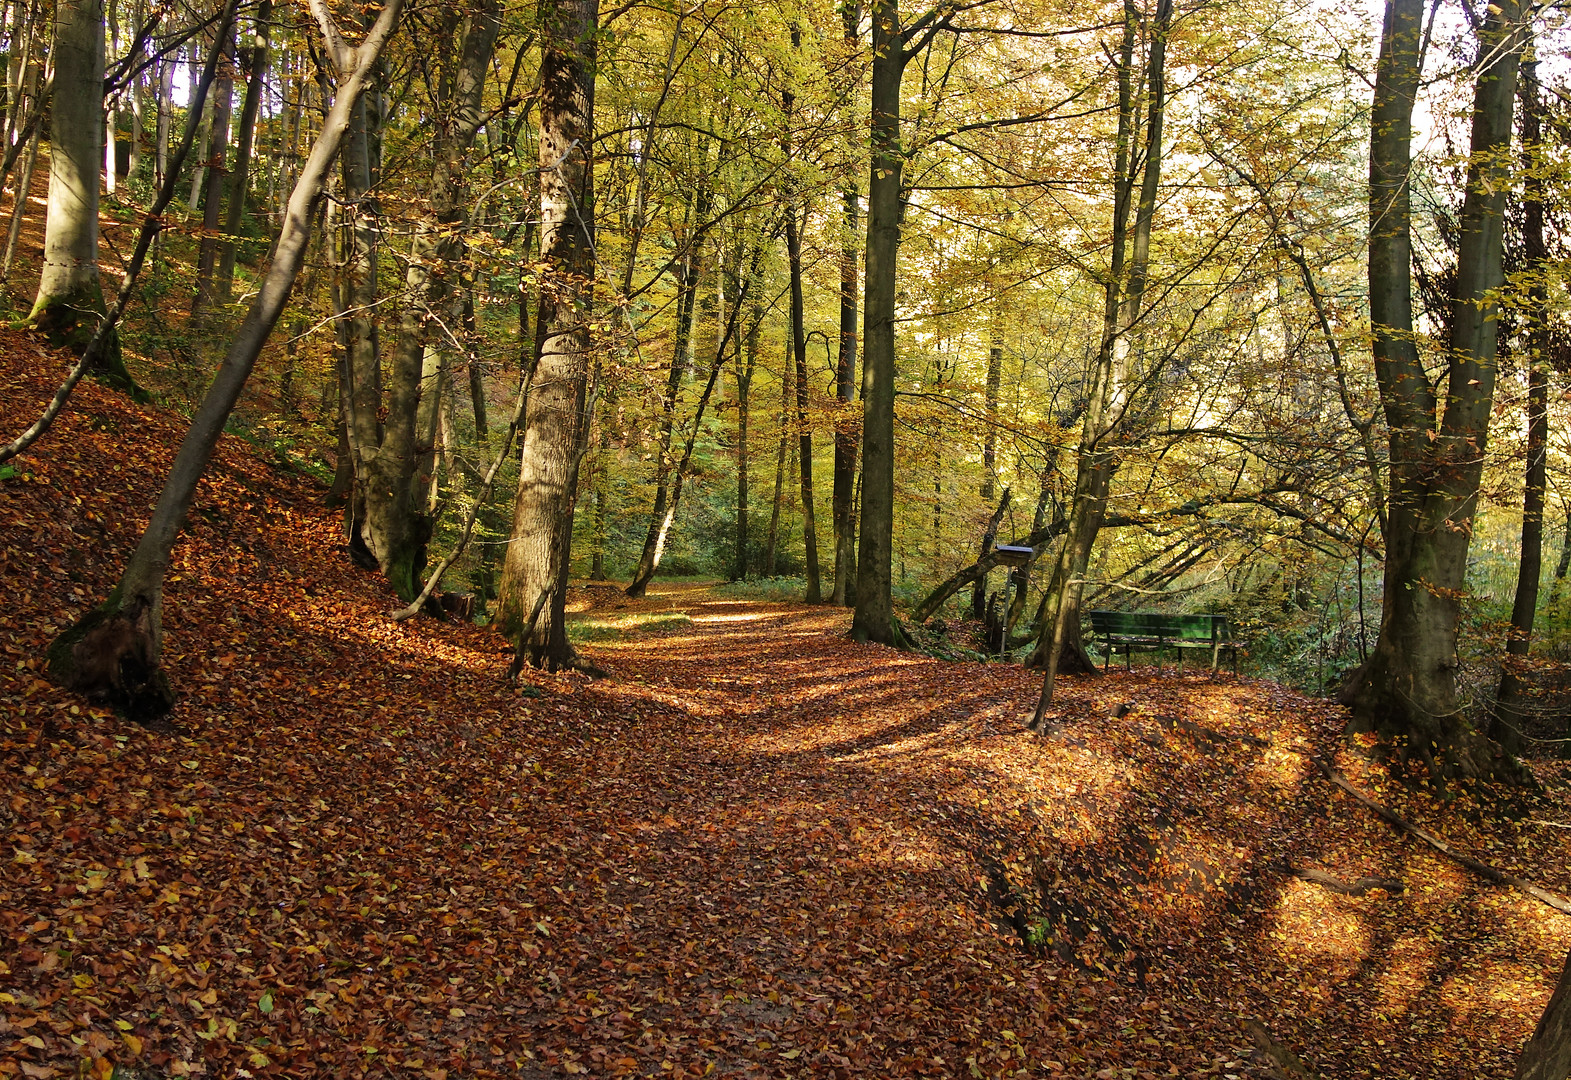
692,272
1406,691
989,535
136,604
814,593
1510,705
70,297
397,473
843,498
995,378
744,386
1059,645
256,60
217,180
1547,1055
540,546
874,618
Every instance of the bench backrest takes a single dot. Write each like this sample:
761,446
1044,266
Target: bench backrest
1155,624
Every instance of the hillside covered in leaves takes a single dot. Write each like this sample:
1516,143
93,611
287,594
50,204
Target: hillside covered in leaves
755,850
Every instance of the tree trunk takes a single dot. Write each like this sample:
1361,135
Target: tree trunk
256,58
217,180
1510,709
1406,691
995,378
771,545
1059,645
127,626
874,619
1547,1055
692,273
989,536
539,549
397,472
846,431
804,431
70,296
744,386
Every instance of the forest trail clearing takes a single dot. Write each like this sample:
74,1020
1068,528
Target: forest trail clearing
757,850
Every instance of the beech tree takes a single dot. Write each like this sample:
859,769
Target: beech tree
1438,422
532,599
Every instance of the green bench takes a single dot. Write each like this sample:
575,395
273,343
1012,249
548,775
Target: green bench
1131,630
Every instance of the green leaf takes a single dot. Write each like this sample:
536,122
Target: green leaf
266,1004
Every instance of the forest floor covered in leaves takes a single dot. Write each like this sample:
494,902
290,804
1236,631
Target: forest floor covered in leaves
756,850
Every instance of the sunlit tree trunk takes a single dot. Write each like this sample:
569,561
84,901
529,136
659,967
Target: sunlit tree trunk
1406,691
539,548
70,297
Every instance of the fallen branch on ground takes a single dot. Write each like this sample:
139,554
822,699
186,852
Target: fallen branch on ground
1482,869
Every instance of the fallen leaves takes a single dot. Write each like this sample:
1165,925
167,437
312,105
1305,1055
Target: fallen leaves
758,851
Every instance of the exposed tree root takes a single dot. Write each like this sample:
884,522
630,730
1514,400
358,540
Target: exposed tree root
1337,885
1285,1064
1482,869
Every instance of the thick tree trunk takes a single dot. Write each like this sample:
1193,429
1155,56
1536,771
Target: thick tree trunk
874,618
128,625
70,297
397,473
1510,709
1406,691
540,547
1547,1055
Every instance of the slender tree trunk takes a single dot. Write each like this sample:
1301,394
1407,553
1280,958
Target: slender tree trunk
541,543
1059,645
24,187
1406,691
163,96
256,58
124,633
989,537
874,619
782,455
744,386
692,273
1506,725
804,431
995,379
217,178
846,428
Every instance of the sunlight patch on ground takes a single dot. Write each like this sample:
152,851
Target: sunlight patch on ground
1323,925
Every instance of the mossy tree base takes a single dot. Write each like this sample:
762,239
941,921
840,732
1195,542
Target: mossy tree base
70,321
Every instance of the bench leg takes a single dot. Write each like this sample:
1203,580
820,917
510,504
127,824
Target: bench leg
1180,661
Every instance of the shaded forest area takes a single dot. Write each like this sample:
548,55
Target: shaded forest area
712,401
